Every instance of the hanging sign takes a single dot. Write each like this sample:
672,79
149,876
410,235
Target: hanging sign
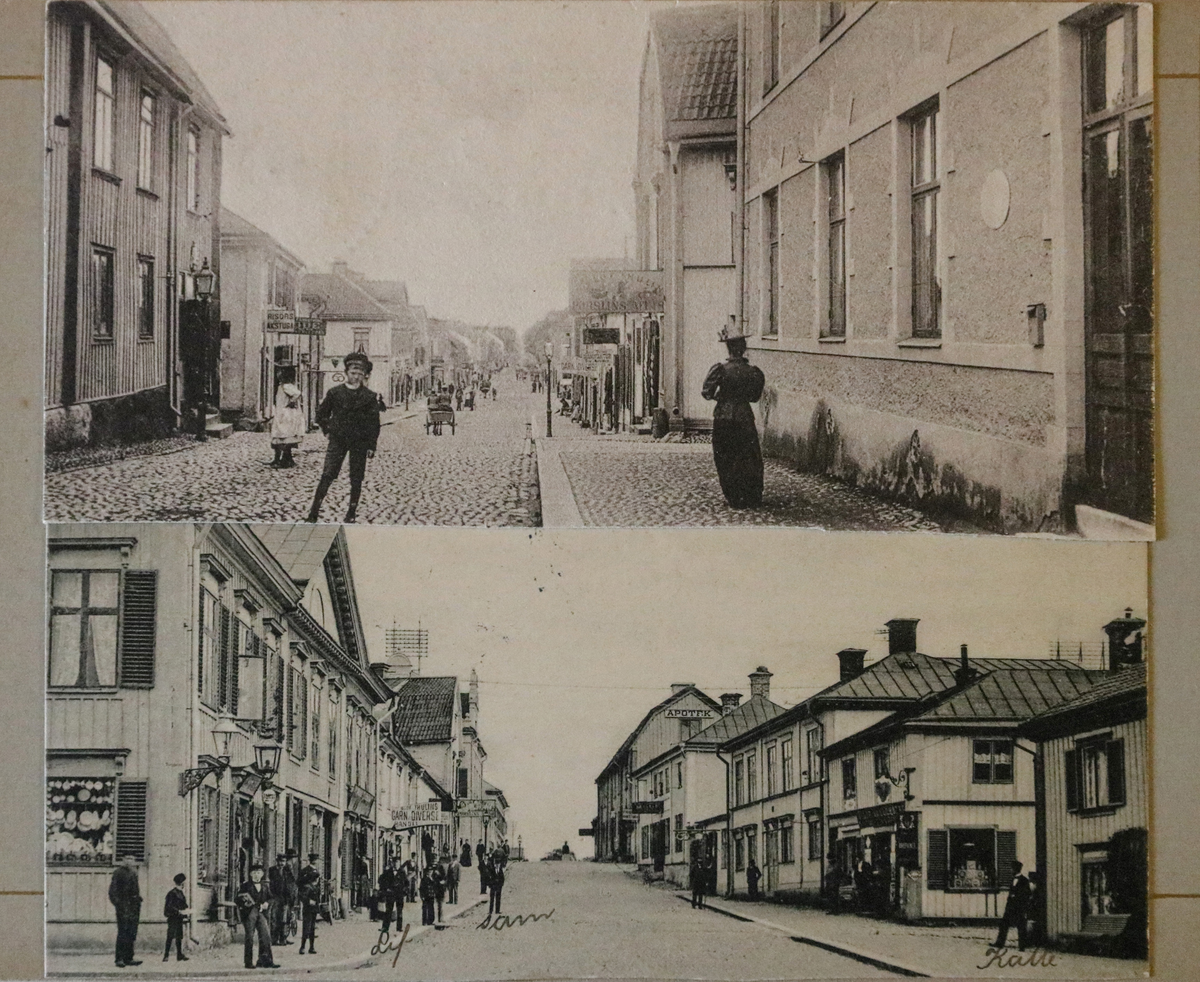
648,807
616,291
429,813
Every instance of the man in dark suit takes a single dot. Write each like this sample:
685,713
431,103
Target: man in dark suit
275,883
481,856
291,893
1016,909
253,902
308,888
126,896
393,886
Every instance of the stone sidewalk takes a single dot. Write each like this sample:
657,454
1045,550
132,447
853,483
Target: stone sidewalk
919,950
345,944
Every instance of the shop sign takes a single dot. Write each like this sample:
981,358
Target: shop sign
429,813
880,816
689,714
648,807
616,291
587,832
601,335
474,807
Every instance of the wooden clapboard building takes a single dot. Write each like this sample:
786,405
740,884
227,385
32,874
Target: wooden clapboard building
133,182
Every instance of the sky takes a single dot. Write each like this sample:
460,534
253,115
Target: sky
468,149
575,635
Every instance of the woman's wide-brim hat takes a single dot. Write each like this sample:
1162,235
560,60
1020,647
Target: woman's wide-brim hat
731,332
357,357
289,390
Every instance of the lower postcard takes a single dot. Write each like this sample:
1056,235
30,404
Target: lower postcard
488,754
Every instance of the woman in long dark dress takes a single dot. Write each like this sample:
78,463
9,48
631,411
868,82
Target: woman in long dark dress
734,384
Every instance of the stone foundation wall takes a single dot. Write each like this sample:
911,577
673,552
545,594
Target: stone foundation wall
141,416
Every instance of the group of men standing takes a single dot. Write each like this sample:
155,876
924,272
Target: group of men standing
436,881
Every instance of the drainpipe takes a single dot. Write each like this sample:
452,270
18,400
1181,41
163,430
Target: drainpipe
174,394
728,831
740,254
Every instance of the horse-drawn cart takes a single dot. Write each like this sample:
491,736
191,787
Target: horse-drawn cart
436,417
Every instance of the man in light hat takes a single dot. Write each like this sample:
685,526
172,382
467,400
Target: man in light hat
349,416
734,384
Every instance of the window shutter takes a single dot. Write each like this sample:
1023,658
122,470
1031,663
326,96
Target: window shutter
1006,855
1115,752
290,700
235,652
223,661
139,606
1071,766
937,859
277,709
302,751
131,819
200,645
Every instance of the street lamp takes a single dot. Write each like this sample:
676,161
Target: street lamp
222,733
204,279
549,415
266,759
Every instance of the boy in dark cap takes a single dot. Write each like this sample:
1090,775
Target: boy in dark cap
349,416
174,909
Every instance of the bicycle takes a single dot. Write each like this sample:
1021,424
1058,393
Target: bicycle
291,921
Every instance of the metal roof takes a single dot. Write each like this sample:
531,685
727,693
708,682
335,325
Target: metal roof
754,712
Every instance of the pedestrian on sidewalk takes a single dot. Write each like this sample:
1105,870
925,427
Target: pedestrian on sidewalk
125,894
696,880
465,856
753,875
426,890
278,903
175,909
287,425
495,884
253,902
393,885
453,873
291,893
439,883
1016,909
481,856
427,848
411,875
349,416
308,889
734,384
458,397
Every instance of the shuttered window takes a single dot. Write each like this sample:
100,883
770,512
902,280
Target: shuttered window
937,859
1095,774
237,632
302,711
139,609
222,668
290,700
277,698
1115,752
1071,770
131,819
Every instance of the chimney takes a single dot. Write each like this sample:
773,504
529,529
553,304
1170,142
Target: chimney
678,687
341,268
965,671
1122,650
902,634
729,702
850,662
760,682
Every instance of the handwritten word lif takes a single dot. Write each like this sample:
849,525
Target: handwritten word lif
1035,958
502,921
384,944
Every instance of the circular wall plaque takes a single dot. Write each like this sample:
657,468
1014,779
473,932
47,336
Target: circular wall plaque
993,199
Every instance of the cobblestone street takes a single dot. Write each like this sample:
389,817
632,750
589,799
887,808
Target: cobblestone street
480,475
631,483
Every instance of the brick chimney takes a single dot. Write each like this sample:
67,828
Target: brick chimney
1122,648
850,662
678,687
902,634
341,268
729,702
760,682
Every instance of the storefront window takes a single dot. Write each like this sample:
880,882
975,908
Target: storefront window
80,820
972,859
1097,899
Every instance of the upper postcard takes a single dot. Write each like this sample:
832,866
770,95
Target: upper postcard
839,265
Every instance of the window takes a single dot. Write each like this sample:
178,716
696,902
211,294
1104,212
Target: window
193,169
283,295
814,837
739,851
1095,893
787,848
333,735
362,340
752,846
772,784
1095,772
679,774
145,309
103,308
83,628
300,718
463,787
751,777
79,820
926,285
970,859
250,674
104,118
883,767
770,327
739,782
785,758
771,46
849,779
315,727
814,741
831,16
645,842
679,833
835,183
145,170
992,762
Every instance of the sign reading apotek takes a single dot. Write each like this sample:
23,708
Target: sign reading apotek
678,713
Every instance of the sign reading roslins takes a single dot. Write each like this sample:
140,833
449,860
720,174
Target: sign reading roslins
616,291
429,813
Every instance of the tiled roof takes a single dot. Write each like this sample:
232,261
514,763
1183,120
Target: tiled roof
300,548
698,62
387,291
754,712
1013,694
425,710
346,301
1124,682
135,19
